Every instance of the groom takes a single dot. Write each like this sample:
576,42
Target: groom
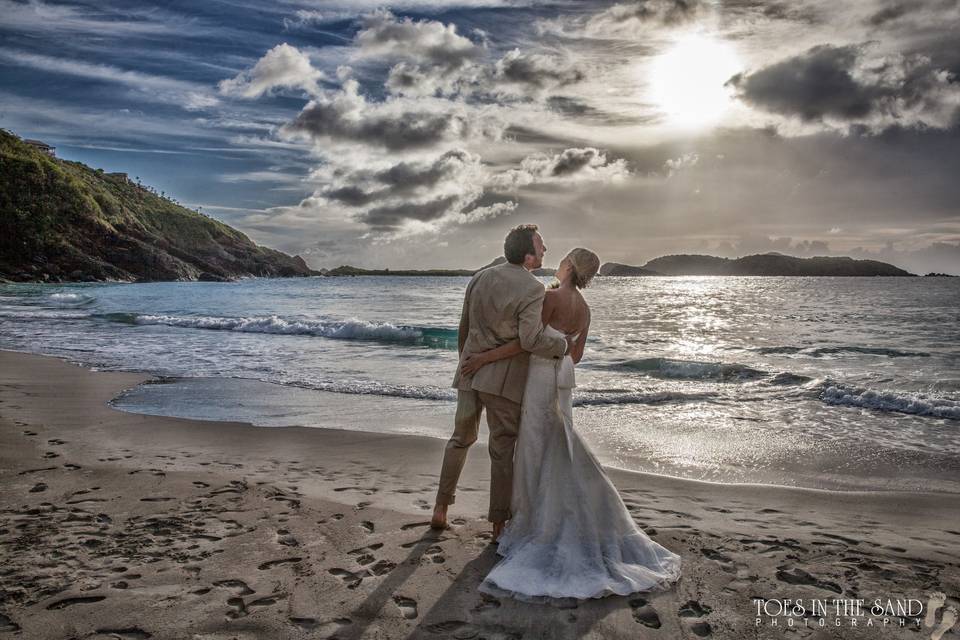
502,303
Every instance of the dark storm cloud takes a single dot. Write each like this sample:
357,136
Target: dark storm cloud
841,83
401,179
887,14
391,217
665,11
353,195
348,117
408,175
537,70
781,11
573,160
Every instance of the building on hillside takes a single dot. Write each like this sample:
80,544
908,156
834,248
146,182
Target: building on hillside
42,146
120,175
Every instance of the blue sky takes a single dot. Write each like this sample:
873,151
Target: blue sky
414,134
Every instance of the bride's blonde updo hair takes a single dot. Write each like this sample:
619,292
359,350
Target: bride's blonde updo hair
585,265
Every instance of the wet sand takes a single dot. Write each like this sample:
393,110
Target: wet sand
116,525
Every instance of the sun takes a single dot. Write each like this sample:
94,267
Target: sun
687,80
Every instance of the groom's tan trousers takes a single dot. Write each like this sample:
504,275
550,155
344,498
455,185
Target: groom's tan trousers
503,419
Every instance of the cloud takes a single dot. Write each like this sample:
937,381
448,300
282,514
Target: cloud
36,16
422,41
283,66
189,95
674,165
536,71
431,57
849,85
632,18
571,165
308,17
887,14
398,124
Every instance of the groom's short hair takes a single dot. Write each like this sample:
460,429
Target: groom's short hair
519,243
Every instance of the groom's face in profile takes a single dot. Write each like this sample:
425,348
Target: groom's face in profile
535,260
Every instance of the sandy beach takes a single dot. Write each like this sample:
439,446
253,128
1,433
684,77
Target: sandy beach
115,525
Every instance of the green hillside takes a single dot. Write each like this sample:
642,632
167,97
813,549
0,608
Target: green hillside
64,221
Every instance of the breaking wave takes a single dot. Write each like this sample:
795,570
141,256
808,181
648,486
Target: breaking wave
689,369
335,329
918,404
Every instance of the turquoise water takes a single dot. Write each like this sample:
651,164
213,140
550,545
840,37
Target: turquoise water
823,382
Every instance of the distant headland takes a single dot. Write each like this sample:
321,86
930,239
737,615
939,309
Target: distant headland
766,264
63,221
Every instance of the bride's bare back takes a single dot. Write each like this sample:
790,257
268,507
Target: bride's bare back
566,310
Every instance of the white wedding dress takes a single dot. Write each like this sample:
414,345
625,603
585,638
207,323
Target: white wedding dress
571,536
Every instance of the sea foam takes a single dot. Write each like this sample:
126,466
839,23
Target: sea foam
352,329
898,401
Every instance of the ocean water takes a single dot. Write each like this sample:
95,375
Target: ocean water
835,383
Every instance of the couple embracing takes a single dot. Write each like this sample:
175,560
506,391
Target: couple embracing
562,529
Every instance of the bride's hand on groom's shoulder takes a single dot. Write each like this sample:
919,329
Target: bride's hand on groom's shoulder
471,364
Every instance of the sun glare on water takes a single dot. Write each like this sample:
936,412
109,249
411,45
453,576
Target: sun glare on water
687,80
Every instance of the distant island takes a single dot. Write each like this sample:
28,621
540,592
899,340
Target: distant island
356,271
766,264
770,264
63,221
615,269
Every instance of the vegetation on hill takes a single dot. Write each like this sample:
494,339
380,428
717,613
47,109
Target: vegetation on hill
615,269
347,270
770,264
64,221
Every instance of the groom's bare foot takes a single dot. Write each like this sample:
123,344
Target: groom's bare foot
497,530
439,520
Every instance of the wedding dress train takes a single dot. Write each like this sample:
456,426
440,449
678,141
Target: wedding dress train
571,536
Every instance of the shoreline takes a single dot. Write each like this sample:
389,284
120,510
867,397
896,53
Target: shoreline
169,528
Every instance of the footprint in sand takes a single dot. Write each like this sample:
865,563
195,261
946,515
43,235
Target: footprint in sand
6,624
37,488
367,526
239,608
130,633
72,467
644,613
322,629
801,577
937,598
69,602
350,579
694,609
285,538
486,603
363,555
947,623
382,568
273,563
435,554
239,586
407,606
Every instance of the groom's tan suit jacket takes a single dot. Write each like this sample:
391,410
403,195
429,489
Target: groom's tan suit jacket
503,303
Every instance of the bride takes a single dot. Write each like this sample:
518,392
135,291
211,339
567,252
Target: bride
571,535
